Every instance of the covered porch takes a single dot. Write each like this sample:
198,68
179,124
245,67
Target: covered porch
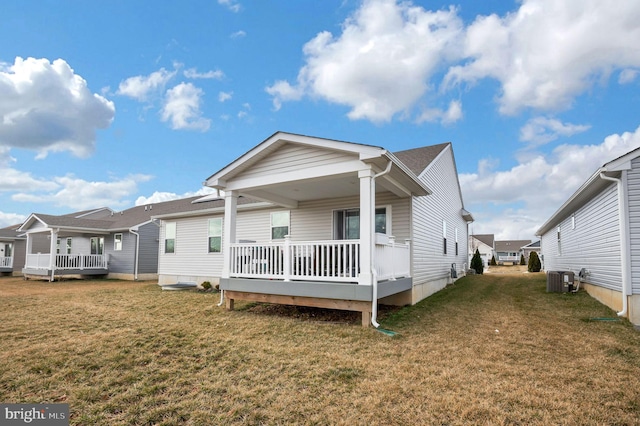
353,270
52,253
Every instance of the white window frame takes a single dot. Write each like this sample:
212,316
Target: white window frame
274,226
444,236
116,246
170,232
387,213
99,245
559,237
456,235
211,235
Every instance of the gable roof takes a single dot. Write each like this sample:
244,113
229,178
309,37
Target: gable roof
533,245
487,239
511,245
417,159
126,219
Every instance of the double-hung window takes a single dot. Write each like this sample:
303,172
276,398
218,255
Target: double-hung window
117,242
170,237
279,225
215,235
444,237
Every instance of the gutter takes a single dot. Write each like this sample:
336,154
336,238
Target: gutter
374,273
135,265
623,218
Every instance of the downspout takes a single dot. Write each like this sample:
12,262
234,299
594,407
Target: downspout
374,273
135,265
623,218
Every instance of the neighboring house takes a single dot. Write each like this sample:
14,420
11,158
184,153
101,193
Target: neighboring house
484,244
99,242
509,251
597,231
318,222
11,251
530,248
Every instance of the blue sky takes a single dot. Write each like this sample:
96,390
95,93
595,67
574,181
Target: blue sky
115,103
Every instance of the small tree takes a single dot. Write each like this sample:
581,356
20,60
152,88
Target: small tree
493,261
534,262
522,261
476,262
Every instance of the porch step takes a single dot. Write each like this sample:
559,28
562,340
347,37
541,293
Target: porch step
180,286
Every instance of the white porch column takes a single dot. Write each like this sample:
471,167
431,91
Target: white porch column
367,226
229,231
52,251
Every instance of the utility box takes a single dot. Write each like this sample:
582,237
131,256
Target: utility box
560,281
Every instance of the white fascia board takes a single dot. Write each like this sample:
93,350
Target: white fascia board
32,217
206,212
309,173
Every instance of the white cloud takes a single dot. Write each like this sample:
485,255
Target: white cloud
451,115
224,96
159,197
182,108
238,34
282,91
46,107
10,219
627,76
548,51
142,87
380,64
232,5
542,130
193,73
80,194
539,185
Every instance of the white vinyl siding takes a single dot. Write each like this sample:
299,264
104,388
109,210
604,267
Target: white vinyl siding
291,158
593,244
429,213
633,185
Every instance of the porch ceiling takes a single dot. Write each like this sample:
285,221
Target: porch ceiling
289,194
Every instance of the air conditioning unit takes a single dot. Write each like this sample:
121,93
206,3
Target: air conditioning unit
560,281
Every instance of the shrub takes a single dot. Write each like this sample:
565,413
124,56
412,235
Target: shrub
534,262
522,261
206,285
476,262
493,261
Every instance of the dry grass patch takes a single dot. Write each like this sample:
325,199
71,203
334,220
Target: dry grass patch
492,349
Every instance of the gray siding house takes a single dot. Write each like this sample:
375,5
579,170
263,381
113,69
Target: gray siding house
509,251
99,242
597,232
319,222
11,251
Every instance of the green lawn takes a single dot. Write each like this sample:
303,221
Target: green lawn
492,349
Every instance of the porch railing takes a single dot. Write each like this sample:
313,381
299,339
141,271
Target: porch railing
66,261
508,258
331,260
6,261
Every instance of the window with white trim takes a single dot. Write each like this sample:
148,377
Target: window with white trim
170,237
573,221
97,245
456,234
215,235
444,237
559,241
346,223
279,225
117,242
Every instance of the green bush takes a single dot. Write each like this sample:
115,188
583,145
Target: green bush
206,285
476,262
534,262
522,261
493,261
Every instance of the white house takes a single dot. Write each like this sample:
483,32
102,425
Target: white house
319,222
484,244
597,232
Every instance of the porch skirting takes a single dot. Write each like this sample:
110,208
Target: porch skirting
350,297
